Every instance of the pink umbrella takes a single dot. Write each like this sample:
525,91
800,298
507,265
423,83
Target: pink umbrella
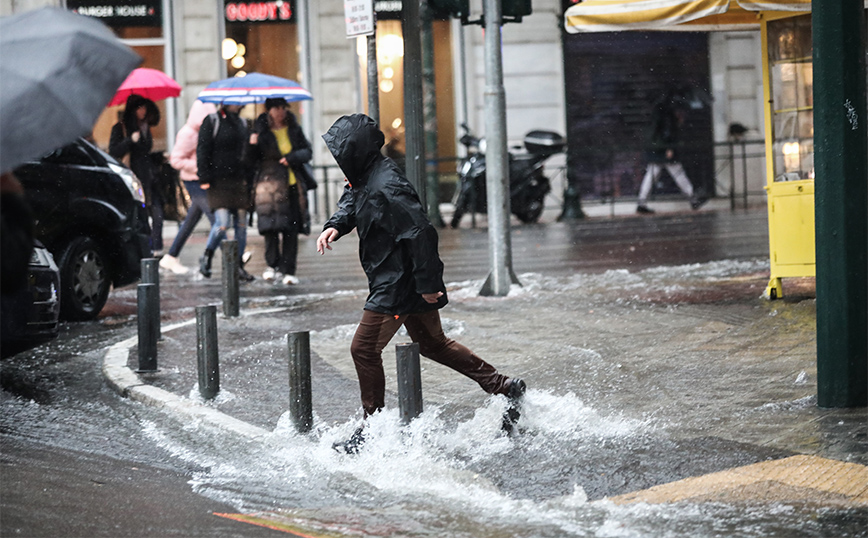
150,83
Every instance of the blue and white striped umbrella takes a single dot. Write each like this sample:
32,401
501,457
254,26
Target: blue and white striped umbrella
252,88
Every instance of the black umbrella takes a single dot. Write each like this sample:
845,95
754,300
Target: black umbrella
58,70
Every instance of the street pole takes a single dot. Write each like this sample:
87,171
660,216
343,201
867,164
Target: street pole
841,202
414,128
430,109
373,77
497,172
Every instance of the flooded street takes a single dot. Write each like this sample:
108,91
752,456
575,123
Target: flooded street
649,356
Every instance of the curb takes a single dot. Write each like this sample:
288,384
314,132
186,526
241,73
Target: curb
130,385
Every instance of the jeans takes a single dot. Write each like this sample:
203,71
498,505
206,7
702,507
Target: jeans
374,332
222,217
198,207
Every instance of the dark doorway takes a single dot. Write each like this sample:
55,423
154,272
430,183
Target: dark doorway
613,81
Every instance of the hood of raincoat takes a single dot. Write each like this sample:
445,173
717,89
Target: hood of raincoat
355,142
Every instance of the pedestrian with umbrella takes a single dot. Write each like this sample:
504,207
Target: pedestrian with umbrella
146,82
279,150
132,136
223,138
183,159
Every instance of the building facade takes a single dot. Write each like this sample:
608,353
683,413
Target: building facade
306,41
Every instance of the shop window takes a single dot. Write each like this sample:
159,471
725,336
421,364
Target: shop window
792,85
139,24
390,69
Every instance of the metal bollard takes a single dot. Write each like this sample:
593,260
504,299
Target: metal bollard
147,296
300,406
409,381
230,278
151,275
206,349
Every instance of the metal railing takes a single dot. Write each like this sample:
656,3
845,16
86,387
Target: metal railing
739,165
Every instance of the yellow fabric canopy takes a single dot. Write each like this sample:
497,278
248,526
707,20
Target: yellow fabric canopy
690,15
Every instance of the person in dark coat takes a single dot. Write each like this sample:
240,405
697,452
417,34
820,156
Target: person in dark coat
223,138
279,151
132,136
398,251
665,141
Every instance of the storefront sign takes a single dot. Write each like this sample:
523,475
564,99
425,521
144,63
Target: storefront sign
120,13
359,16
279,11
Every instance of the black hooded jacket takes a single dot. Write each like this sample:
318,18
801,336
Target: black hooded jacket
397,243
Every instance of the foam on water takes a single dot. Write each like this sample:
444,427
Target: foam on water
432,466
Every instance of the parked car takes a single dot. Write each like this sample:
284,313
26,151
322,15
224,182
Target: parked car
90,214
29,317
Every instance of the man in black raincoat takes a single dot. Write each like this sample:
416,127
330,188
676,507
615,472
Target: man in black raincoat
398,251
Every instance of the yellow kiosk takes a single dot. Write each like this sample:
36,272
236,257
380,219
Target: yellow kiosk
788,91
789,130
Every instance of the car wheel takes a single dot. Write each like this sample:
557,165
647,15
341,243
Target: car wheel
84,280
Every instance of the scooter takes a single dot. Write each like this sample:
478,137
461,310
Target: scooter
528,185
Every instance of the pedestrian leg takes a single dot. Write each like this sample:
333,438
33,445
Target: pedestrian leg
156,211
676,170
198,207
427,331
240,224
374,332
651,174
289,254
272,252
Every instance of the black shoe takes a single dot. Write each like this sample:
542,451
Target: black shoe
352,445
514,395
696,203
244,276
644,210
205,264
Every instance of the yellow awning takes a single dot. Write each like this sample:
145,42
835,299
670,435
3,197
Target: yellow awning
691,15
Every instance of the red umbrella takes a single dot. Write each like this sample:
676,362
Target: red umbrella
150,83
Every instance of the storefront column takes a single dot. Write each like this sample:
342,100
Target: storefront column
840,143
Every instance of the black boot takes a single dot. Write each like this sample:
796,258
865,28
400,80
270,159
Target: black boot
205,263
514,395
353,444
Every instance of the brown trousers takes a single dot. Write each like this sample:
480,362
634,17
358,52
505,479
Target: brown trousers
374,332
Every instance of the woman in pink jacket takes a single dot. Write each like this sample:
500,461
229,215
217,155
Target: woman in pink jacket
183,159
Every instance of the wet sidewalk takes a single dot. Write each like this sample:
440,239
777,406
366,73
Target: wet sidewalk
657,384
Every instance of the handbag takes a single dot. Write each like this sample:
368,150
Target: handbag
310,183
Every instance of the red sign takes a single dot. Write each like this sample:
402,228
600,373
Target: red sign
258,11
